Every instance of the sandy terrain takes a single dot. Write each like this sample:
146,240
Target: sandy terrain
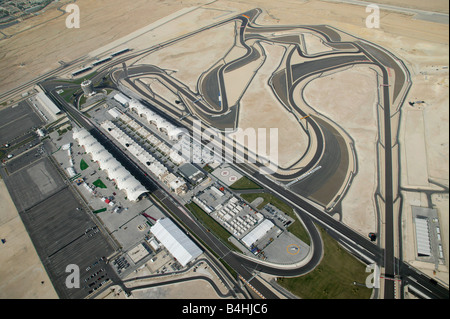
184,57
238,80
259,106
196,289
101,22
314,44
433,5
22,275
358,206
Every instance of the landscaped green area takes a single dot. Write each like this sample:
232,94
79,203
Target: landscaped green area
296,228
244,183
68,94
208,168
83,165
334,277
99,183
211,224
101,210
82,100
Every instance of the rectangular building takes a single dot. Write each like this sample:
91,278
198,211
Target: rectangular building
257,233
48,104
177,242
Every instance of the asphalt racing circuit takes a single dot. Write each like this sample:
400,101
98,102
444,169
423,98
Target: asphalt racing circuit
330,148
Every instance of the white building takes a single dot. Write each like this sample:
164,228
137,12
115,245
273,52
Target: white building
87,87
162,124
257,233
45,102
423,236
177,243
124,180
122,99
155,167
176,185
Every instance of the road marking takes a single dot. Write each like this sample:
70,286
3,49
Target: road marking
304,117
251,287
295,249
246,16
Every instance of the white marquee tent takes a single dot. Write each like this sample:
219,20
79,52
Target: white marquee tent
257,233
176,242
124,180
162,124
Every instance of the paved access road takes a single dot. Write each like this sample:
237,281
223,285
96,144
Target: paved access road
366,250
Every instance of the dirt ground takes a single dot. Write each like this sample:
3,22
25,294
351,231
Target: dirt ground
435,6
22,274
422,45
36,51
195,289
361,126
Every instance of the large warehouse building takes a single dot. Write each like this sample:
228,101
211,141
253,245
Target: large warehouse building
124,180
48,104
176,242
257,233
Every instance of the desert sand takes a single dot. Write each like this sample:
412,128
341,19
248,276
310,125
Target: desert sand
22,274
361,126
440,6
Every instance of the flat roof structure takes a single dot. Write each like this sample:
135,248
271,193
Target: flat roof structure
45,101
122,99
258,232
161,123
191,173
82,70
177,243
120,52
423,236
114,112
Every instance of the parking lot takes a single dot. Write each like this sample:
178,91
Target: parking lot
63,234
30,155
62,231
17,122
31,181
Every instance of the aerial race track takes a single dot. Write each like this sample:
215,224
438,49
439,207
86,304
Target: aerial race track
330,154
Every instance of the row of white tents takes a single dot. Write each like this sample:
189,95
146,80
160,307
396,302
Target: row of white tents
156,167
124,180
155,141
172,131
